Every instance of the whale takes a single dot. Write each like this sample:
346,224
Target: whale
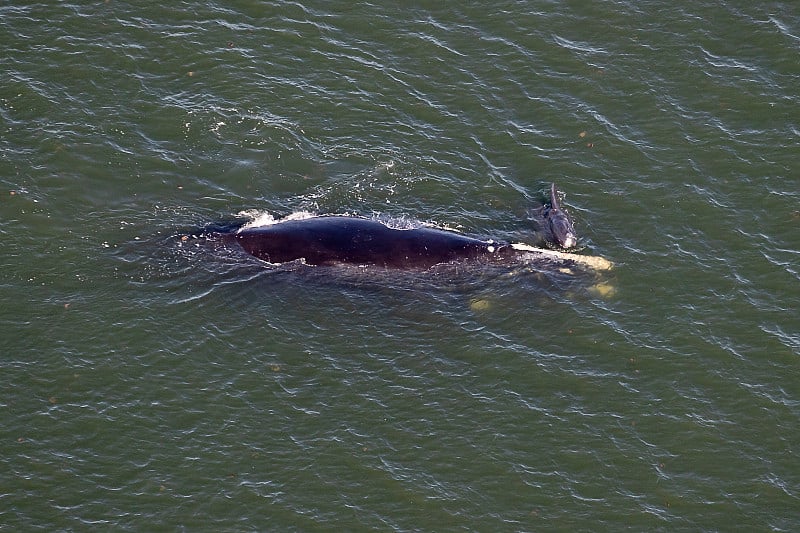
325,240
332,239
559,222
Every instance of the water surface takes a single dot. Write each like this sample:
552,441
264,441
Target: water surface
148,381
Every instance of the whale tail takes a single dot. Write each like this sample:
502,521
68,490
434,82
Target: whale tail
559,222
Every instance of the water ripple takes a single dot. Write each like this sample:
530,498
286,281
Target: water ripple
148,374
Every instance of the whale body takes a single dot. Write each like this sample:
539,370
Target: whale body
327,240
337,239
560,223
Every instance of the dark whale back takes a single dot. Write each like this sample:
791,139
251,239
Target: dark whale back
327,240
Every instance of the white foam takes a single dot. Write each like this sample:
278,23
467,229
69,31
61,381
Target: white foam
300,215
257,218
264,218
395,222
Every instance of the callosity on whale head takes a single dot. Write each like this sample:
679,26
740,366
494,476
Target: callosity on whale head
560,222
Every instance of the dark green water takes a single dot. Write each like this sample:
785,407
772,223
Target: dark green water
149,384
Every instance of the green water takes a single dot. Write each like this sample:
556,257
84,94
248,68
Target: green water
154,384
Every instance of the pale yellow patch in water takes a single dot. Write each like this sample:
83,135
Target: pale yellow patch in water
603,290
480,305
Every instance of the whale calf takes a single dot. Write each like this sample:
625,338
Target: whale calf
336,239
559,221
